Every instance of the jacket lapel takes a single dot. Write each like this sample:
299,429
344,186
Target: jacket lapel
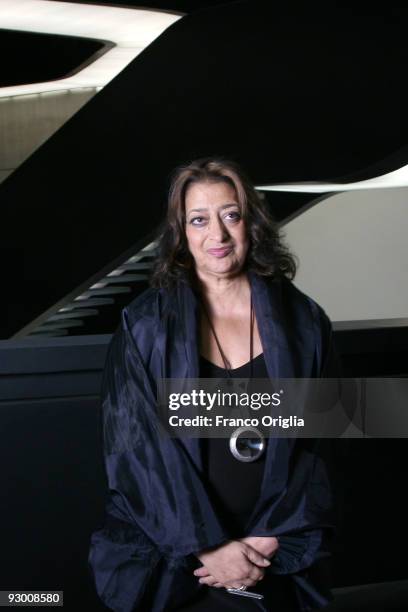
189,326
269,313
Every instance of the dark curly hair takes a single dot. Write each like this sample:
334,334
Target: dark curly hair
267,254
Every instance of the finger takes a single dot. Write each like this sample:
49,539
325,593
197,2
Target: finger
256,573
218,585
236,584
201,571
208,580
257,558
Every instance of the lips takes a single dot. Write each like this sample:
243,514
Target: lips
220,252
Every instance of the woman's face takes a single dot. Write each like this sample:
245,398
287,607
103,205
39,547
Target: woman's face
215,230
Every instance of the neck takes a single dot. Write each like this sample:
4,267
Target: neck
224,294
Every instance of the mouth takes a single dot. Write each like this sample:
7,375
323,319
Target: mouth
222,252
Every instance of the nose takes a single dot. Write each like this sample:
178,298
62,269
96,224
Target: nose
217,230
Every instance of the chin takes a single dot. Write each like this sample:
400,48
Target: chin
226,271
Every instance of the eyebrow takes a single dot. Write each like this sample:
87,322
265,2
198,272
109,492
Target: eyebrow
221,207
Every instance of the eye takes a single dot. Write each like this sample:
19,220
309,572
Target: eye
198,221
233,216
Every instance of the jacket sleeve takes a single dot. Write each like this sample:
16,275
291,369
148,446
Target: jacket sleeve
303,520
121,558
157,512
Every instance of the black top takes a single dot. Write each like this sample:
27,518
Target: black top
233,486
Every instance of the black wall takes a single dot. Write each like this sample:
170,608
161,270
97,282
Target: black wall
53,483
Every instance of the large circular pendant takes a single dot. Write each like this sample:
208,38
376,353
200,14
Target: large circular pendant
247,444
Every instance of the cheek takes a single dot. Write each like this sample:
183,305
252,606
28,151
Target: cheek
193,240
242,239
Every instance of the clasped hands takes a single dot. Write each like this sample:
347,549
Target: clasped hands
237,562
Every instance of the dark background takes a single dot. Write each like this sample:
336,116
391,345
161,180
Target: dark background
294,93
315,92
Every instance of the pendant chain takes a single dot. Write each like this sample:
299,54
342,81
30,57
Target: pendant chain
227,365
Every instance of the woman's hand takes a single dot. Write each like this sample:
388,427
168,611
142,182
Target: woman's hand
266,546
231,565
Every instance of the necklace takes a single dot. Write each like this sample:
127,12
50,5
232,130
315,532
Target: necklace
246,444
227,364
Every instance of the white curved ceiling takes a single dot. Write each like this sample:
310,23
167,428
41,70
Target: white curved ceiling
394,179
129,29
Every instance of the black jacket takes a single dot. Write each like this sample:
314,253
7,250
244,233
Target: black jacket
158,512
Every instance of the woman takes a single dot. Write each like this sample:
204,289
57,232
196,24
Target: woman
184,519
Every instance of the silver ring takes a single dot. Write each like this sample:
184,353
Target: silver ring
242,587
